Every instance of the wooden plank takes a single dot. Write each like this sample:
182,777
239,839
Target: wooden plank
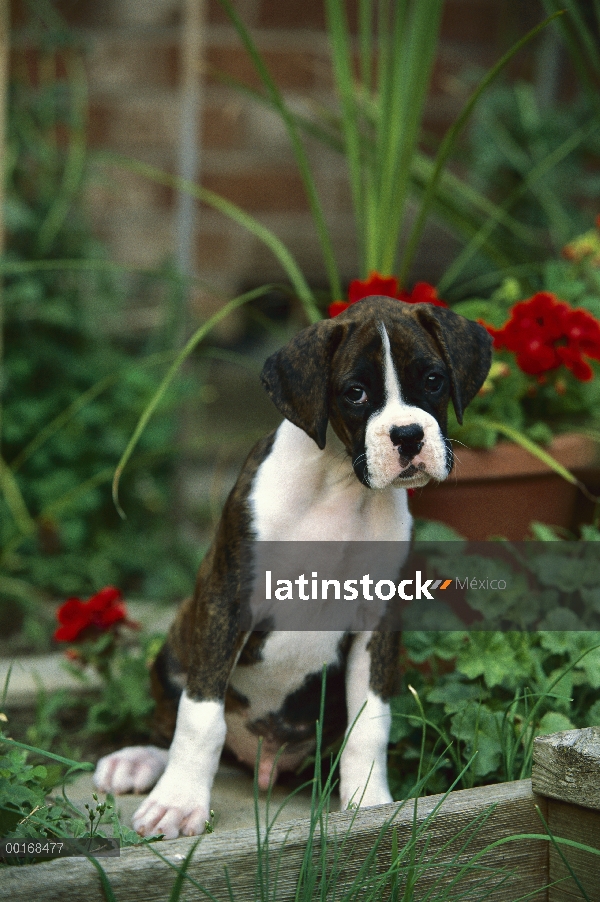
583,825
140,875
566,766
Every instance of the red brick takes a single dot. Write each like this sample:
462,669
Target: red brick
84,13
213,250
292,14
114,187
480,22
136,238
472,21
293,69
133,123
289,14
116,63
222,126
260,190
246,10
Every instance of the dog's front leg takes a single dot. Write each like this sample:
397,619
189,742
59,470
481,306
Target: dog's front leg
207,642
369,678
180,801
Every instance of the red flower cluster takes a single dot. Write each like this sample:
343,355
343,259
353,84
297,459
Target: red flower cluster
99,613
545,333
422,293
388,286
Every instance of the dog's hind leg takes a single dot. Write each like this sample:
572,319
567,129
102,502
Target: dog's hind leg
138,768
133,769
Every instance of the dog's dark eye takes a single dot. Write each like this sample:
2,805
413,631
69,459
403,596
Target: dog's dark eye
356,395
434,381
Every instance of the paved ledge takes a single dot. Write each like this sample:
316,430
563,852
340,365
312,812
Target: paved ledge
30,673
232,799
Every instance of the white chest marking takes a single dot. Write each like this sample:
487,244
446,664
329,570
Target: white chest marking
301,493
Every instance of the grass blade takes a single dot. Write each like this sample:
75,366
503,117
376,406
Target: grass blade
538,172
233,212
450,139
341,52
104,881
176,867
73,765
6,683
76,158
66,415
197,337
562,855
15,501
402,117
181,874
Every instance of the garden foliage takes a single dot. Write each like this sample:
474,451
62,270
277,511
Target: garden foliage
73,382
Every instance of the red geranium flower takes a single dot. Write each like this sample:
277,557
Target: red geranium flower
99,613
422,293
375,285
388,286
544,333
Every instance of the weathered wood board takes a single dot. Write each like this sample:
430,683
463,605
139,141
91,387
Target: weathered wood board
566,790
520,866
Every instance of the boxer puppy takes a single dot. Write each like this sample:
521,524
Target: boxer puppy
365,398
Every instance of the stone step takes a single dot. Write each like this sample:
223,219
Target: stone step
232,800
31,673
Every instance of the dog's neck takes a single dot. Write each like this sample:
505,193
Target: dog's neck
304,494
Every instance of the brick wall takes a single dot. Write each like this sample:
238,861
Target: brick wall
133,58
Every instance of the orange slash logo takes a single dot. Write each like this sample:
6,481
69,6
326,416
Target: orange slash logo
442,585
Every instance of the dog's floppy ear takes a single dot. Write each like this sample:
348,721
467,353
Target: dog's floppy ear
297,377
466,348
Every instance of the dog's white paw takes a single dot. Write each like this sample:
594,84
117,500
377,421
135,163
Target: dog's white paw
174,808
369,798
134,769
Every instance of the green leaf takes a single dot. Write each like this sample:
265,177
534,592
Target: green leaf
481,730
554,722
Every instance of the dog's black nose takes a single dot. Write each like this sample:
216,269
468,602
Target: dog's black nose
408,439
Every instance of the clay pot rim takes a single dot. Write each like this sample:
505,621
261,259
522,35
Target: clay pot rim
575,451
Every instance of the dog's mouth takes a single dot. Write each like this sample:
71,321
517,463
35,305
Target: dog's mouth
410,470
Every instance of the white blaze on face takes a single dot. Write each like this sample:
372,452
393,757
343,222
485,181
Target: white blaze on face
383,460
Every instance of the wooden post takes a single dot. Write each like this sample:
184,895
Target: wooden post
566,770
192,50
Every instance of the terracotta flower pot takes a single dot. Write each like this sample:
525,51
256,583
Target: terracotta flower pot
501,491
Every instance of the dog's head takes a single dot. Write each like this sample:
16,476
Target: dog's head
382,373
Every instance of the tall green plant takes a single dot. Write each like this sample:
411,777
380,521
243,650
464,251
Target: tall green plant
382,79
382,102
